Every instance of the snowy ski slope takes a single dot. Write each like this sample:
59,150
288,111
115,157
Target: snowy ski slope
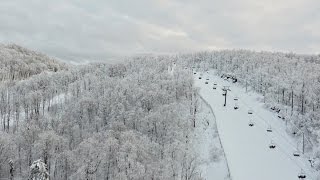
247,148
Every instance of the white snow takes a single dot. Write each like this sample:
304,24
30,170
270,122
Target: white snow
58,99
206,142
171,69
247,148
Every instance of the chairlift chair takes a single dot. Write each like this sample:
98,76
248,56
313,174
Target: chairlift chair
311,161
194,73
206,82
250,111
302,175
234,80
214,87
207,79
251,124
272,145
200,77
236,98
236,106
269,129
296,153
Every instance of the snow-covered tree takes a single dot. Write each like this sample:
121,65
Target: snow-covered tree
38,171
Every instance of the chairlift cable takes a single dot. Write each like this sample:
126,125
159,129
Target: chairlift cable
275,130
297,128
279,147
284,152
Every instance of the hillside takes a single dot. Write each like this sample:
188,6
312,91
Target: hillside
144,118
18,63
125,121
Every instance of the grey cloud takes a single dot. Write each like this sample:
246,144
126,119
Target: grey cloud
80,30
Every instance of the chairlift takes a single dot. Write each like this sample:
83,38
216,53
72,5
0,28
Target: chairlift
236,106
206,82
214,87
296,153
215,84
251,124
311,161
200,77
207,79
272,145
236,98
194,73
269,129
250,111
302,175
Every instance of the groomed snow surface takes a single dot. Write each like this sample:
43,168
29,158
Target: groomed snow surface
247,147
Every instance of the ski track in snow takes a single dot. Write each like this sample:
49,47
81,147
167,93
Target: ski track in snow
247,148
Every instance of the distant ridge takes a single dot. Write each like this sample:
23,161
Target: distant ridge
18,63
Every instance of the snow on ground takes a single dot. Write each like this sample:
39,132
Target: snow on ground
206,142
57,100
247,148
171,69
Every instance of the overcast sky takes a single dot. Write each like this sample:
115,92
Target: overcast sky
84,30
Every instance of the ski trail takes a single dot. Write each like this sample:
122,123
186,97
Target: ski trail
228,176
247,148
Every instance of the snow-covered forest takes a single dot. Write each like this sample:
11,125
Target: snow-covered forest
123,121
134,120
